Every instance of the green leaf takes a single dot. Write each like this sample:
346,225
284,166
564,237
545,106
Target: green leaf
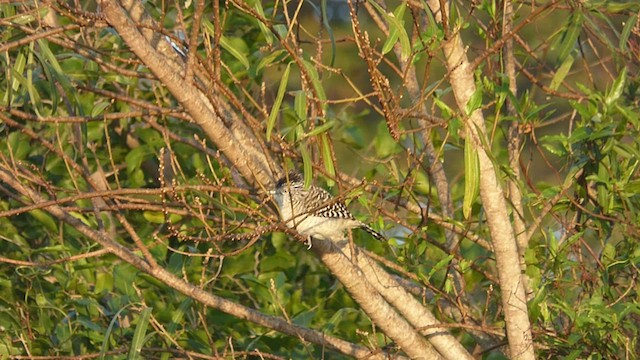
135,157
327,26
315,80
278,101
99,108
104,282
471,176
396,29
443,106
617,88
475,101
321,129
19,145
51,62
300,104
275,56
562,72
234,45
626,32
307,165
570,35
257,6
327,159
352,136
178,315
237,48
45,219
34,95
385,145
139,334
422,247
440,265
154,217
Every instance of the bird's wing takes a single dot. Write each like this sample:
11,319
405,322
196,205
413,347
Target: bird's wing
324,205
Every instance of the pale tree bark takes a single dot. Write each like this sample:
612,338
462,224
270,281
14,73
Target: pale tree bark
492,195
415,313
383,315
514,147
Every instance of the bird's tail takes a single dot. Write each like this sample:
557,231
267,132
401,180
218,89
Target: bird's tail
373,233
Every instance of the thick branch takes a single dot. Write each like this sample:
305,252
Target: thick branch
514,144
419,316
381,313
251,164
493,200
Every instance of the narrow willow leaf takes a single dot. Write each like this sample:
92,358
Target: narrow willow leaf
570,35
138,335
626,31
45,219
179,314
307,165
276,104
446,110
325,23
315,80
34,95
328,160
154,217
396,29
562,72
236,47
391,41
471,176
442,264
50,61
269,59
53,90
99,108
617,89
257,6
475,101
300,105
107,335
16,74
321,129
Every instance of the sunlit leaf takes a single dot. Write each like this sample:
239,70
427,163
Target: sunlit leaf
617,88
570,35
561,73
471,176
328,159
139,334
278,101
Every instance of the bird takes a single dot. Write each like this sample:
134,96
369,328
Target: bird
313,212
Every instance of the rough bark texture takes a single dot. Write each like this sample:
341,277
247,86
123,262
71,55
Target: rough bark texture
383,315
493,201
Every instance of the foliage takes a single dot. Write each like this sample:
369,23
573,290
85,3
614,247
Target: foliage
88,128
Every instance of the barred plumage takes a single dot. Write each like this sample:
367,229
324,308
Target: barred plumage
313,212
